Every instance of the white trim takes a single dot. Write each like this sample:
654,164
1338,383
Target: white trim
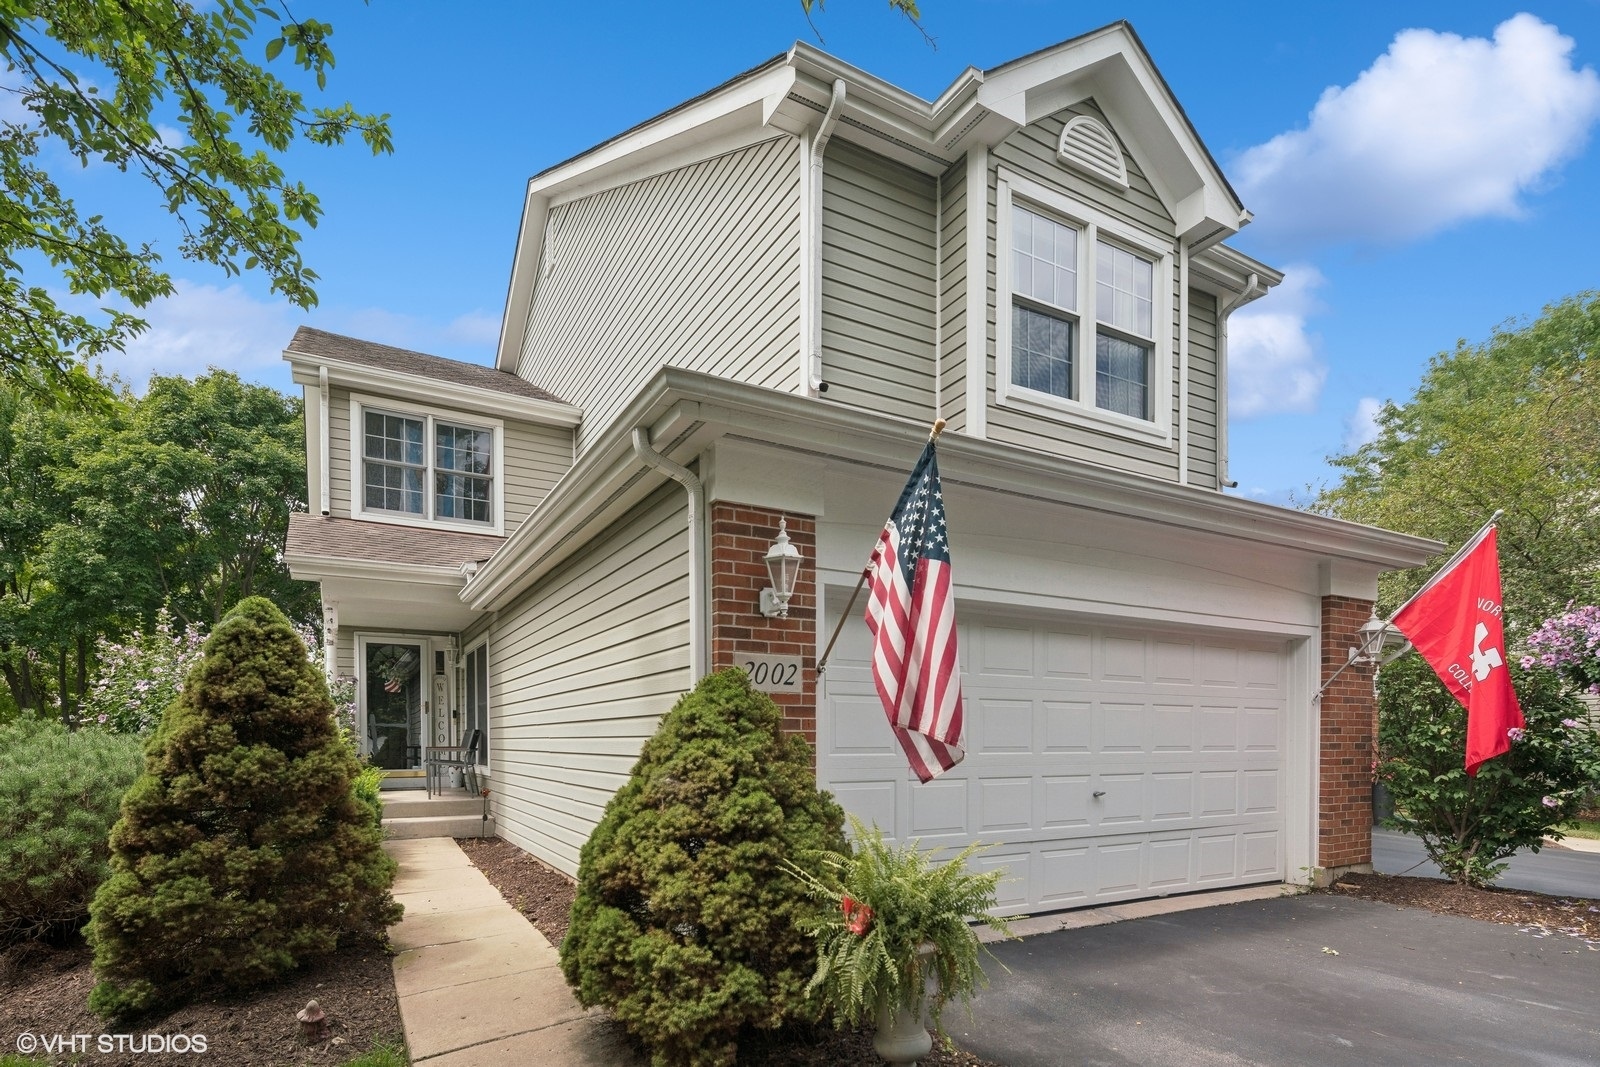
810,302
415,388
1094,226
306,568
488,689
1184,385
424,675
977,292
360,403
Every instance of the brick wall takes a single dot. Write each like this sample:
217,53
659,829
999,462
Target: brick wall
741,534
1344,818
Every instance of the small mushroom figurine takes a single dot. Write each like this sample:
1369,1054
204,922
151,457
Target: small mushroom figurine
313,1023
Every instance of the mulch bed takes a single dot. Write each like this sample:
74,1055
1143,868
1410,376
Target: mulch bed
1532,913
545,895
44,991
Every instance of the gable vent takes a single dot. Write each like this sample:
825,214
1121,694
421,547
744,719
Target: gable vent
1089,146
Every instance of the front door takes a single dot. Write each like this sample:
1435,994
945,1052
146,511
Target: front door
394,680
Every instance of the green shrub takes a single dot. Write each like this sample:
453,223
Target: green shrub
368,790
1469,825
685,924
242,852
59,793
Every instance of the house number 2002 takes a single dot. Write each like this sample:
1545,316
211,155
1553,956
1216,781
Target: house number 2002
771,674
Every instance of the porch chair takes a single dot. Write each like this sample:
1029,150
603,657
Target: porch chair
442,758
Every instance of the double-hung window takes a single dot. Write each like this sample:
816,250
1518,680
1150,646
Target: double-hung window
1084,331
420,466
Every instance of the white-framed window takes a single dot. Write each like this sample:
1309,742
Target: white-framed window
1083,330
475,697
424,467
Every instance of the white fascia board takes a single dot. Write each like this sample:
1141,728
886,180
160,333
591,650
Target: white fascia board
609,479
415,387
308,568
1225,272
525,260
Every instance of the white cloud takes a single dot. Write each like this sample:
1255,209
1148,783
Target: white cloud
475,328
1361,428
1272,363
1439,130
202,326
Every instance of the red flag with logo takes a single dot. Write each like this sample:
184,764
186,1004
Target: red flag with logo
1455,623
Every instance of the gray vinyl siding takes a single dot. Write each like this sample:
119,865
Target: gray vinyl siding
953,297
695,268
344,653
535,456
1031,152
1202,389
878,240
582,667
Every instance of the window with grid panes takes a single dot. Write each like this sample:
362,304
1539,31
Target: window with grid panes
427,467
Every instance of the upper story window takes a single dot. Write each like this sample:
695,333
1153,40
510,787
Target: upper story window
1073,276
425,467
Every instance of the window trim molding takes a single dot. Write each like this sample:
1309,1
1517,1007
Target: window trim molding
1093,226
361,403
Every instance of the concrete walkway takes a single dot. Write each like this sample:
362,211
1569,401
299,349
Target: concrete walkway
479,986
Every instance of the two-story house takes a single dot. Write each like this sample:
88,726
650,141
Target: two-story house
750,309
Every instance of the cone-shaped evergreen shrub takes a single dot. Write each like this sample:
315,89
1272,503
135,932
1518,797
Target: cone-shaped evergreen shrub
686,924
242,852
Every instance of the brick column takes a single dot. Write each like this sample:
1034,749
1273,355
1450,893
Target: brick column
1344,818
740,537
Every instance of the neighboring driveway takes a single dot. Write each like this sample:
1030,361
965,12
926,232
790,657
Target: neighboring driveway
1253,984
1553,870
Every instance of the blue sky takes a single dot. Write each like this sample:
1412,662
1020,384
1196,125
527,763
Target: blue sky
1422,171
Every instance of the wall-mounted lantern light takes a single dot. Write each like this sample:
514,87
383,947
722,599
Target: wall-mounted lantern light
783,566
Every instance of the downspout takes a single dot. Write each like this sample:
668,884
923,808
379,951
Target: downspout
697,567
819,144
322,441
1183,362
1251,287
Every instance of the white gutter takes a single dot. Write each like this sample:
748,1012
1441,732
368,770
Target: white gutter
697,567
1251,285
1183,361
819,144
322,441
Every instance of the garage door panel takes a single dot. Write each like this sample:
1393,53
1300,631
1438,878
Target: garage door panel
1183,737
1003,726
1068,725
1005,804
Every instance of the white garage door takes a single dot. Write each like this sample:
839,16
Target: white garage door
1103,764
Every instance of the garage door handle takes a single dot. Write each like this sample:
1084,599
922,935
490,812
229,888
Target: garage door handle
1098,793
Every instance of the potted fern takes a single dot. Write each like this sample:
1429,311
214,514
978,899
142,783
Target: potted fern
898,922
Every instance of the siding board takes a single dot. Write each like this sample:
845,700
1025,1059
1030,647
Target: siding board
1203,406
582,668
694,268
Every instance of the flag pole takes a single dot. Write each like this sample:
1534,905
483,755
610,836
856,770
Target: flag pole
822,663
1471,543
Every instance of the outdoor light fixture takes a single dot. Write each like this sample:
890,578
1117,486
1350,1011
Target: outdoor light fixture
783,566
1373,636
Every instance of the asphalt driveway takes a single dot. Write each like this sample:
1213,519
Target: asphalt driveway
1254,983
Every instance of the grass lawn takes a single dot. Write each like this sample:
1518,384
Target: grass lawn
1589,828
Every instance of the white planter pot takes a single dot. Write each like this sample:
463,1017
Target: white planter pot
901,1037
458,778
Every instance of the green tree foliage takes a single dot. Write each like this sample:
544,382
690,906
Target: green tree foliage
1511,423
1469,825
185,503
59,794
686,925
242,852
98,80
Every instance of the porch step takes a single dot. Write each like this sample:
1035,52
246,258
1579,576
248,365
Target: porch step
411,807
438,826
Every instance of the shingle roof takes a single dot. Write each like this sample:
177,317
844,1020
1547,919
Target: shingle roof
379,542
353,350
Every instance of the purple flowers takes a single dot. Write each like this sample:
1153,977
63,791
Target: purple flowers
1550,802
1516,733
1572,724
1569,643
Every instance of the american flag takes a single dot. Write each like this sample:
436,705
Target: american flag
911,614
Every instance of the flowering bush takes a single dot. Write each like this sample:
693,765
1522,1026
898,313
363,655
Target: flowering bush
1469,825
140,675
897,919
1570,644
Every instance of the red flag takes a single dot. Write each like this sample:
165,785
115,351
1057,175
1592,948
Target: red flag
912,617
1454,621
